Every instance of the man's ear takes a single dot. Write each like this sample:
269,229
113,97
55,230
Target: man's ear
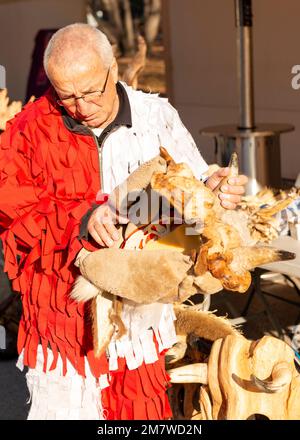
115,71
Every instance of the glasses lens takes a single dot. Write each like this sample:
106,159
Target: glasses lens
91,97
68,101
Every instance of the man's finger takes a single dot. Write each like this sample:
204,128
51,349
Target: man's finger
103,234
112,231
96,236
230,189
238,180
228,205
215,179
123,220
222,172
232,198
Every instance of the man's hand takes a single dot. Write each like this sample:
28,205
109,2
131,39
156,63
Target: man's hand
231,192
102,225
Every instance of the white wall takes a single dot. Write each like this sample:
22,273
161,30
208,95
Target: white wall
19,23
202,67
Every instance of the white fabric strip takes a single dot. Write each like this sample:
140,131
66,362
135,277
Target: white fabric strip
138,345
57,397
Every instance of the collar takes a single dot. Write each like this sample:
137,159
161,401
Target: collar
123,116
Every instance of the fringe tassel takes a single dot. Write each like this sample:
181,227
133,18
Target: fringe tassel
138,394
138,346
55,396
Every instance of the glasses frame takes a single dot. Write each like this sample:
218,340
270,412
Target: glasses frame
75,98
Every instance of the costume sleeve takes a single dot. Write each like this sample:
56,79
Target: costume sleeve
182,146
36,225
83,232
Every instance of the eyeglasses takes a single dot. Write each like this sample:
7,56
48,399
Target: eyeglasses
87,97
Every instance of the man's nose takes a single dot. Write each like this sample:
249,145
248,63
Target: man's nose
81,105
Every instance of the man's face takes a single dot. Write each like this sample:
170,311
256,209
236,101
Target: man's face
81,79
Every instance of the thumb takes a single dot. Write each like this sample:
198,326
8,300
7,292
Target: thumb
123,220
216,178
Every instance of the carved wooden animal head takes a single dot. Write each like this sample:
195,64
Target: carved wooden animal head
242,378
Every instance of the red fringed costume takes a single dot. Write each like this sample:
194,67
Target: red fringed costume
49,179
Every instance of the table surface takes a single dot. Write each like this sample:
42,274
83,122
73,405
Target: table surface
289,267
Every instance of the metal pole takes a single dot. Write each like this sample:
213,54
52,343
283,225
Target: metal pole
243,10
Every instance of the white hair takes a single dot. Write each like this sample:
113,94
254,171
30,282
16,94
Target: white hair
78,40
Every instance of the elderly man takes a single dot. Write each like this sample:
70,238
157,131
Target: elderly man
85,136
